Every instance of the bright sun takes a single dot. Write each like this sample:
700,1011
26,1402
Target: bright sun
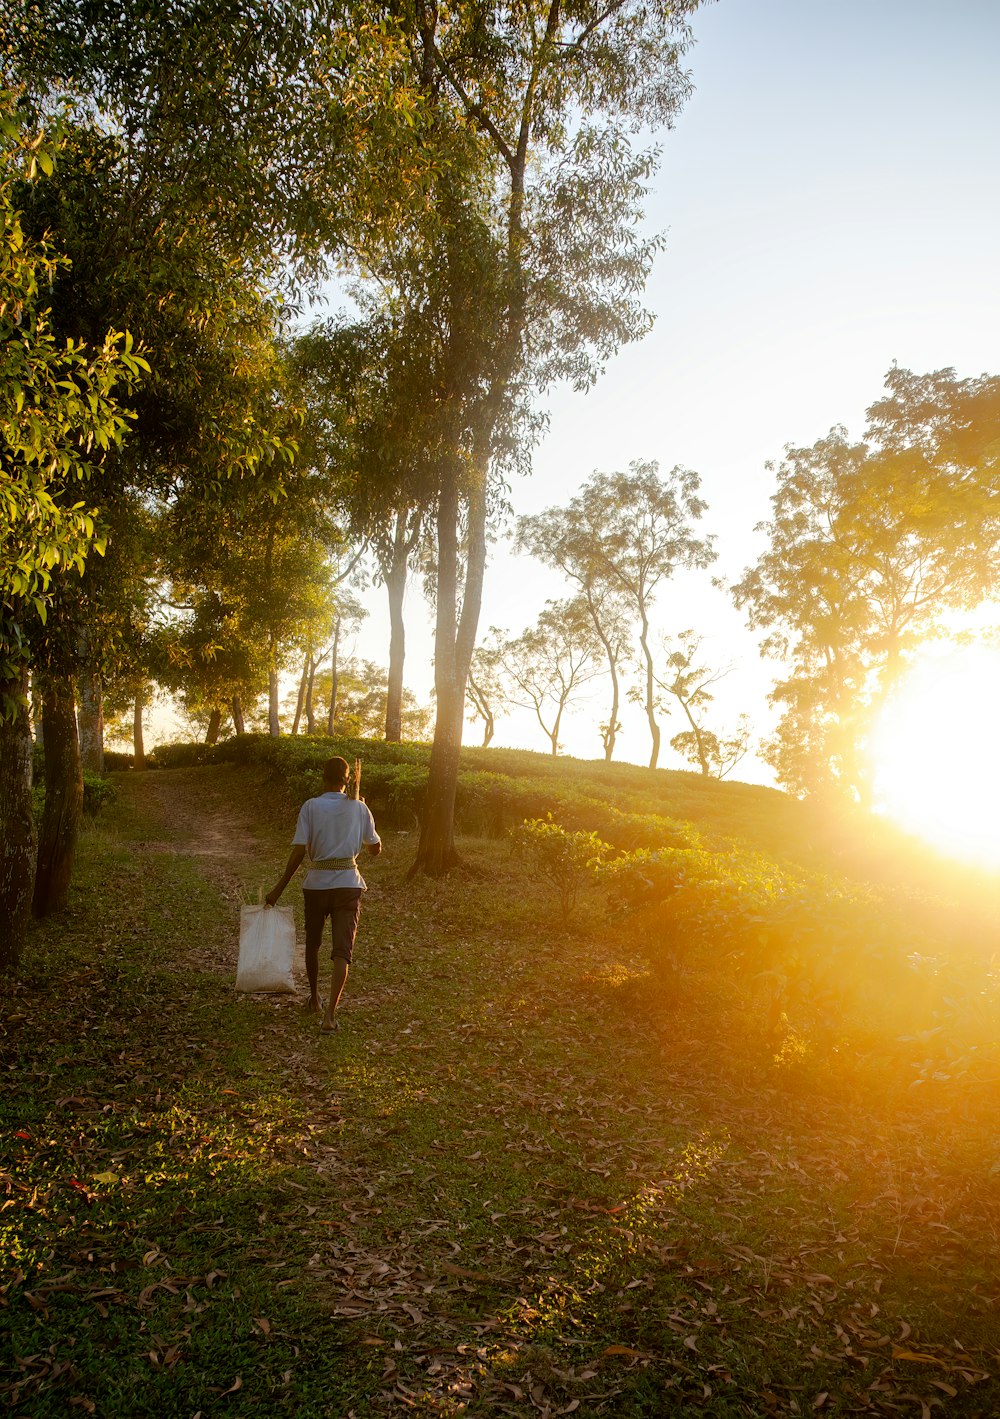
936,753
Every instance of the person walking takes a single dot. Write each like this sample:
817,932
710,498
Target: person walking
332,829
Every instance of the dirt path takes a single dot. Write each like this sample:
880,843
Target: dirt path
214,818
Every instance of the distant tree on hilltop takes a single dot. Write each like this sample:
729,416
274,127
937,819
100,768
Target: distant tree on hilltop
870,544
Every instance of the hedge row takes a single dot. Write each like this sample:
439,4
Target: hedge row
516,785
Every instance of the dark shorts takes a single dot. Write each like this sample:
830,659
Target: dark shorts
343,906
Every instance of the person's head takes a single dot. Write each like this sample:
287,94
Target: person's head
336,773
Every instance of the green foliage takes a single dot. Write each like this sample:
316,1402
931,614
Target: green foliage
97,792
870,544
565,861
59,409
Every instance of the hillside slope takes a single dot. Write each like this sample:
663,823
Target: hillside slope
519,1181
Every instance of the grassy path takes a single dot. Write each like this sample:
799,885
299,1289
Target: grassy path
515,1183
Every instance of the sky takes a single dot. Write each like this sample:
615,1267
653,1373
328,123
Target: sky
830,204
830,201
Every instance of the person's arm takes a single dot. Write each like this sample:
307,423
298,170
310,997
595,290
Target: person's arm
370,836
291,867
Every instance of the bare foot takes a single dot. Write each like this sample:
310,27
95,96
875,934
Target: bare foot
330,1025
313,1005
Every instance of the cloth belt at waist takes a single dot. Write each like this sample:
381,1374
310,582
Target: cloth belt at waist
333,864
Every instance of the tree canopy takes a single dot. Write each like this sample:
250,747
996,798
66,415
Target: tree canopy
870,544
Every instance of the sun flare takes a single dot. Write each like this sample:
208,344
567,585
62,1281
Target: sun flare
936,753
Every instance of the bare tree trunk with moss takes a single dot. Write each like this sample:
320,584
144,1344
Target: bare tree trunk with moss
138,745
63,796
18,846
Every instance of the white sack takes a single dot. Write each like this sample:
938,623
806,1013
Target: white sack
267,949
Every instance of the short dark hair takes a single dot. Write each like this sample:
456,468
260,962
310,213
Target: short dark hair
337,771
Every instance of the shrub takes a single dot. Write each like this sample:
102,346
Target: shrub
97,791
565,861
185,755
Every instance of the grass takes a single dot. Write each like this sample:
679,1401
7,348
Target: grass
519,1181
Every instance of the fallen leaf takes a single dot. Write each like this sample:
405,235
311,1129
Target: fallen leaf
450,1269
898,1354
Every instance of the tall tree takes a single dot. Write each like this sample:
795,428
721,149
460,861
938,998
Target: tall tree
364,390
362,691
540,239
549,664
215,149
486,690
562,538
59,409
689,682
869,544
636,529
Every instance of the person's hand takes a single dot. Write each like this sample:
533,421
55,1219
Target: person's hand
270,900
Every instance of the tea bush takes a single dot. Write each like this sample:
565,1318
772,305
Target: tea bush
97,792
564,861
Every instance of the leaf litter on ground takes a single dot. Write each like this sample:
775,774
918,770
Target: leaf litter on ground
514,1184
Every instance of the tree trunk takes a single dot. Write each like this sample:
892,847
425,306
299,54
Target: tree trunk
331,718
36,711
613,726
406,533
610,734
454,642
138,747
705,766
310,706
273,722
481,705
395,585
214,725
91,721
18,846
654,728
237,710
302,695
63,796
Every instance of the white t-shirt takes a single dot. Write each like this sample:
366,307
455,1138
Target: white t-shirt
334,825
